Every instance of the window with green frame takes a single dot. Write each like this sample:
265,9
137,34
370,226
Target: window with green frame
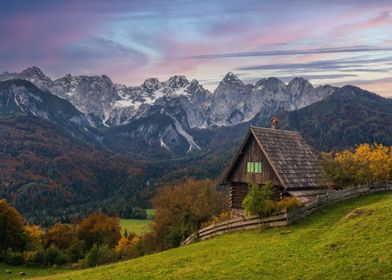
254,167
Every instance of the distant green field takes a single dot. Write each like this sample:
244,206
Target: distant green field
150,213
133,225
31,272
350,240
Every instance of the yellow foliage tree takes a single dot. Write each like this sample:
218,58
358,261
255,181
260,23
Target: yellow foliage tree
126,246
367,164
34,235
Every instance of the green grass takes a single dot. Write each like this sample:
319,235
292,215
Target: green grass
31,272
351,240
133,225
150,214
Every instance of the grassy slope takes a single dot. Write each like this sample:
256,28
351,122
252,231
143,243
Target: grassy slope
133,225
30,272
335,243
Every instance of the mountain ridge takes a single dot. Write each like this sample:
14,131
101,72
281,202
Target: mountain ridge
109,104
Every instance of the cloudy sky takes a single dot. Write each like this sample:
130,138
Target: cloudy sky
336,42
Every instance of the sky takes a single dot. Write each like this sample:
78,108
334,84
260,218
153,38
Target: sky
333,42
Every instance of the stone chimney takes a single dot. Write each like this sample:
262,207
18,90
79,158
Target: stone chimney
274,122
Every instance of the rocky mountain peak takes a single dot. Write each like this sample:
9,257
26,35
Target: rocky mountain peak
231,78
36,76
151,85
177,81
194,85
299,83
33,71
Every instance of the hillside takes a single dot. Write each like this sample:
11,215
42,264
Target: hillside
348,117
42,149
351,240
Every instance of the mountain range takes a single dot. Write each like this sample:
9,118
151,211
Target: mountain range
179,105
82,143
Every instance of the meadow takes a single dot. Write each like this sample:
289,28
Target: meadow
134,225
350,240
31,272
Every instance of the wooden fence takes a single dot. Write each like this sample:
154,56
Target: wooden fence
285,217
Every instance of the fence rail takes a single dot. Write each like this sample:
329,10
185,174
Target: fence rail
284,218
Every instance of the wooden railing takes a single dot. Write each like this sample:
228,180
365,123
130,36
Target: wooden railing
284,218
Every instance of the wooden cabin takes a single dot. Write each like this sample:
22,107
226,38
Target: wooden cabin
279,156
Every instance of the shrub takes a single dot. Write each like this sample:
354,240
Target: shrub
100,255
13,258
30,257
258,200
76,250
224,216
127,246
53,255
287,203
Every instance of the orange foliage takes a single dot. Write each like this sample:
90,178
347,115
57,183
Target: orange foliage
100,229
11,227
34,235
61,235
126,246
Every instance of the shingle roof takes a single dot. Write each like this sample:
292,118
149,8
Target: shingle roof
295,162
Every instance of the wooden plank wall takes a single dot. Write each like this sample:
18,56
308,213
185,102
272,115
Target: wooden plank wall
253,153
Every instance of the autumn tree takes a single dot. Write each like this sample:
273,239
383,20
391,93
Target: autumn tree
34,237
366,164
99,229
181,208
61,235
11,227
126,246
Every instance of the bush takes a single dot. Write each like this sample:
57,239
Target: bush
224,216
287,203
100,255
258,200
127,246
53,255
34,257
13,258
76,250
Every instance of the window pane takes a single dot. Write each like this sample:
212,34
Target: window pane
252,167
248,167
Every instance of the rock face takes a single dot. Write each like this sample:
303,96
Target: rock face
20,98
184,105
